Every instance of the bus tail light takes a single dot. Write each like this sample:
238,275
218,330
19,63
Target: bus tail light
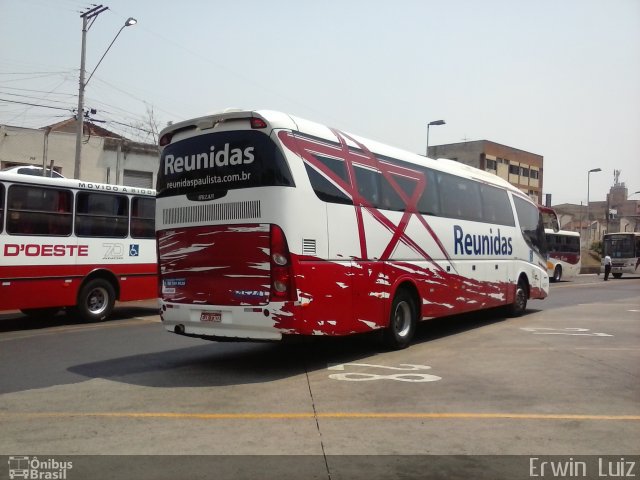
282,281
166,139
258,123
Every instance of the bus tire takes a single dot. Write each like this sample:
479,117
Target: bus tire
557,273
617,275
519,305
96,300
402,321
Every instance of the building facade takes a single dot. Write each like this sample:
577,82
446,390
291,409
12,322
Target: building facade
522,169
106,156
618,213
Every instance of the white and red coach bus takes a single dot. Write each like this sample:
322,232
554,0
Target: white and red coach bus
270,225
70,243
563,261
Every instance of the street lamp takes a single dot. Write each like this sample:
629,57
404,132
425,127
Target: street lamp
88,18
593,170
435,122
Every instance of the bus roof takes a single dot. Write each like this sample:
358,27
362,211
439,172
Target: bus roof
73,183
279,120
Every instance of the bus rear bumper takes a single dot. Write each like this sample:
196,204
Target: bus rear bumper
218,322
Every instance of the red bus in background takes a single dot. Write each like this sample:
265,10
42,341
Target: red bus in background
74,244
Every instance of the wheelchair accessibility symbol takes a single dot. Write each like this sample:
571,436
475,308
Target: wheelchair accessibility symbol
134,250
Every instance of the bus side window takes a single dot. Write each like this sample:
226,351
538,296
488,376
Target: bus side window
495,206
143,218
429,203
101,215
368,185
1,207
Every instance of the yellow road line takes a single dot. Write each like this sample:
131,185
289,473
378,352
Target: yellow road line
334,415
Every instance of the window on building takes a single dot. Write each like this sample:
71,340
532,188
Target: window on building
514,169
491,165
534,174
134,178
524,171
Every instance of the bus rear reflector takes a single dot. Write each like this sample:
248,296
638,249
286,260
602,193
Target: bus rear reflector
258,123
282,284
166,139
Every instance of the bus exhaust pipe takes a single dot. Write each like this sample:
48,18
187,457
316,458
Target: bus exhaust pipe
179,329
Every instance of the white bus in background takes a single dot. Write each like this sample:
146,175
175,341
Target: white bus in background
563,262
624,250
70,243
270,225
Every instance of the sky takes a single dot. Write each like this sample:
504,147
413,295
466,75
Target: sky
559,78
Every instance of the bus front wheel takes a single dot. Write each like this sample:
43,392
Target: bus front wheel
519,305
402,321
96,300
617,275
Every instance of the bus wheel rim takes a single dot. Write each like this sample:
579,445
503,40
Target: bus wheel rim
402,319
97,301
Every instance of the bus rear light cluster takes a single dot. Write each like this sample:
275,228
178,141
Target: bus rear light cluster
166,139
282,285
258,123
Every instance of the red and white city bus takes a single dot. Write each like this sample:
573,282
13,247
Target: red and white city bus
271,225
563,262
70,243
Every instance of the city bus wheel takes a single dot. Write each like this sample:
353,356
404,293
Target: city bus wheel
402,321
617,275
519,304
96,300
557,273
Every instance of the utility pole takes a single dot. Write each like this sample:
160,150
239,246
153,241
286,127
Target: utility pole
89,15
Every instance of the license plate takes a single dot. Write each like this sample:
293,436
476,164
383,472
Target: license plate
215,317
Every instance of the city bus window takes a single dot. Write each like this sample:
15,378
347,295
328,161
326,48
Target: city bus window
324,189
531,224
495,206
101,215
368,185
143,217
429,203
38,211
460,198
1,207
390,198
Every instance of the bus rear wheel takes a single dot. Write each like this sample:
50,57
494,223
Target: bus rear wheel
557,273
96,300
402,321
617,275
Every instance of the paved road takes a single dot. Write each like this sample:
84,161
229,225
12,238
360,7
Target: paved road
561,380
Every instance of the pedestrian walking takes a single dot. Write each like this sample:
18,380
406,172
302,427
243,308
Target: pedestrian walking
607,267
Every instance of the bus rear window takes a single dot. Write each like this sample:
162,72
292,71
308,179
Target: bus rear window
209,165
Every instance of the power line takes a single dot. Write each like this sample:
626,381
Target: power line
34,104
